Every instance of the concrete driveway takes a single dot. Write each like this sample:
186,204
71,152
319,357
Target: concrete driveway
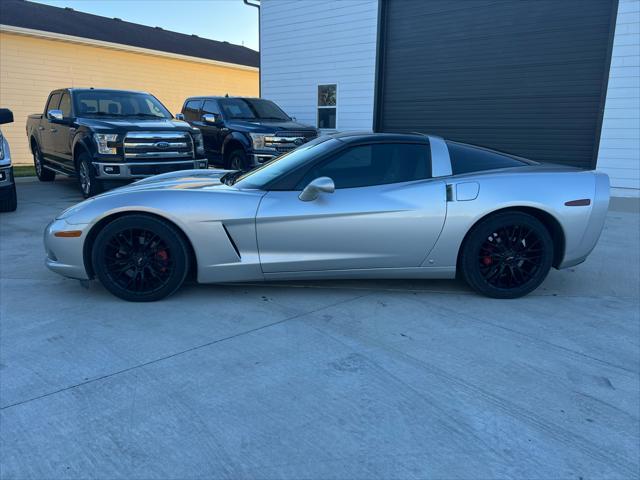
367,379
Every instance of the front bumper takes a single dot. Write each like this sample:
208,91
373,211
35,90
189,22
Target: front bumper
6,176
65,254
134,170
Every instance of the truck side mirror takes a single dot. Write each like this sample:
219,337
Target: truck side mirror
55,116
179,116
6,115
211,119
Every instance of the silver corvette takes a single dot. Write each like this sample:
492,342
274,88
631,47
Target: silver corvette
351,205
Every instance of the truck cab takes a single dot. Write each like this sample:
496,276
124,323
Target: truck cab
101,136
241,133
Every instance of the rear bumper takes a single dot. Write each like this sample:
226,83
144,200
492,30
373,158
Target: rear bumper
134,170
595,223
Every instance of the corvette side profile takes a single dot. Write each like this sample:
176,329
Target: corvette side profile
353,205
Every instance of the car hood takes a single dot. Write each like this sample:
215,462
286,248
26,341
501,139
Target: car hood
182,180
133,124
266,126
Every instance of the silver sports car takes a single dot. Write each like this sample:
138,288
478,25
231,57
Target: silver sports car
356,205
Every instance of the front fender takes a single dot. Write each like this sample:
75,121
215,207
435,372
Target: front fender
233,138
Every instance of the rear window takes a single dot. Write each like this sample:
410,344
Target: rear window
467,159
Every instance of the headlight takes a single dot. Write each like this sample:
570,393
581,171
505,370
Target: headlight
197,138
73,209
260,141
103,140
1,147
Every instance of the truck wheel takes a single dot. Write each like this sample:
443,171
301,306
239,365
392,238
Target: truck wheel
89,184
8,199
238,160
43,174
140,258
508,255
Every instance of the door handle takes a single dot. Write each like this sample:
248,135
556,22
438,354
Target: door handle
53,130
40,128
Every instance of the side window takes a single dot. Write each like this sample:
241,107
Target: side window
65,105
211,106
191,111
375,164
327,106
54,100
466,159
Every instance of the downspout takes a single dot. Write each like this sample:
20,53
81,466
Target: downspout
257,5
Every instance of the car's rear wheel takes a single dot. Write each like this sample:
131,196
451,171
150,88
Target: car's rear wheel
43,173
140,258
508,255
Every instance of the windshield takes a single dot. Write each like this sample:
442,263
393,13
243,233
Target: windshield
260,177
104,103
251,109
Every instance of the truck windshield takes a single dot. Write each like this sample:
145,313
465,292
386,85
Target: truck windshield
104,103
285,164
251,109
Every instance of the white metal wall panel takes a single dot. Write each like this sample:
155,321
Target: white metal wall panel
304,43
619,153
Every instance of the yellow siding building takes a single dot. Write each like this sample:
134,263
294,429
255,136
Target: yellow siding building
35,62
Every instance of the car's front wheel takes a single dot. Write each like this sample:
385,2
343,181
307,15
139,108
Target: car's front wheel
508,255
8,199
140,258
238,160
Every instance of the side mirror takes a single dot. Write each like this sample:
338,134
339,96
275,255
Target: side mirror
6,115
294,119
211,119
315,187
179,116
55,116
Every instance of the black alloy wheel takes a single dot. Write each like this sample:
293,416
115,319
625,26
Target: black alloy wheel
507,255
140,258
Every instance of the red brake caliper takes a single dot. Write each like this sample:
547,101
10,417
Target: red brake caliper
162,255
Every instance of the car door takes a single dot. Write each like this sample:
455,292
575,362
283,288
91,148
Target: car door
47,129
212,133
385,212
61,136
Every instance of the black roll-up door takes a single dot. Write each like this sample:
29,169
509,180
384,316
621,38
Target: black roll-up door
526,77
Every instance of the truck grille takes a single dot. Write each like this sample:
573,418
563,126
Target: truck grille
151,146
305,135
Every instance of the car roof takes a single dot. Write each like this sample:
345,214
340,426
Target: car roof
356,137
220,97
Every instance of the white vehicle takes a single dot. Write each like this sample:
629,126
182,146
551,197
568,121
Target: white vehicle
8,199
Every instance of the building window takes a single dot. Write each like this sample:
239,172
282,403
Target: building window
327,106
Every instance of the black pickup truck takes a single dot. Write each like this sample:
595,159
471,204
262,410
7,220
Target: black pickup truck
102,136
242,133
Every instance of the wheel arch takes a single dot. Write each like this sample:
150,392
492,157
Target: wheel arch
550,222
103,222
233,142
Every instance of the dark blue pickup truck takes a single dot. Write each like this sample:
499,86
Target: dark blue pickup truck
102,136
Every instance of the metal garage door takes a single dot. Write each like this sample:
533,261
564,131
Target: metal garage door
527,77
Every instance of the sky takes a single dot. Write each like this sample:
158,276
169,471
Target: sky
229,20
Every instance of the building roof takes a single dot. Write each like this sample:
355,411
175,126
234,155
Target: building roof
66,21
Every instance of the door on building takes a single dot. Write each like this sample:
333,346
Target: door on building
523,77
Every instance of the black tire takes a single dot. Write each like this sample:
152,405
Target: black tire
508,255
87,181
8,199
43,174
140,258
238,160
